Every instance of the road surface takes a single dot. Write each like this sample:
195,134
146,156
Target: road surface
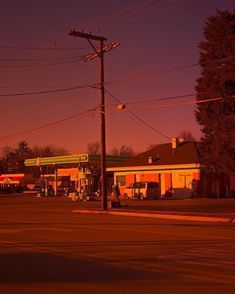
45,248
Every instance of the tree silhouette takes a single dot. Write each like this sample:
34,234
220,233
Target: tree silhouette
123,151
93,148
217,118
187,135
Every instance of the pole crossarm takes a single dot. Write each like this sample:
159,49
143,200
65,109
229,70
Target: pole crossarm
86,36
92,55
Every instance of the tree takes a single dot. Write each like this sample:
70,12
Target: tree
123,151
187,135
217,118
12,160
19,155
23,149
93,148
48,151
7,159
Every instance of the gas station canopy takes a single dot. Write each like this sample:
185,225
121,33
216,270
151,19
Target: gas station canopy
77,158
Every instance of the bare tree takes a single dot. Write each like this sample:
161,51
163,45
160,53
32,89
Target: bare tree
123,151
114,151
93,148
187,135
48,151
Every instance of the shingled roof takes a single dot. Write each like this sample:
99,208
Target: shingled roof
163,154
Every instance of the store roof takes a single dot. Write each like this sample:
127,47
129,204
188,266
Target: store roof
164,154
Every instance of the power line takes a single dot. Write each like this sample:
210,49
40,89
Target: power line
136,120
178,103
146,75
39,87
163,99
41,48
53,124
40,58
156,73
151,12
93,86
128,78
124,104
157,99
140,119
142,13
141,76
101,20
39,65
93,110
148,125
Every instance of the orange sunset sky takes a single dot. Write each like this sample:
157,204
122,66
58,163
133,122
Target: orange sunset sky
37,55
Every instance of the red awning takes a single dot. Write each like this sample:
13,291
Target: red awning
10,179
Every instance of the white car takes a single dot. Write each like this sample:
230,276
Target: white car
142,190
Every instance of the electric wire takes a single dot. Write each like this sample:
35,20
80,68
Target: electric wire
41,48
151,12
123,79
142,76
149,74
102,20
94,110
54,124
93,86
38,87
138,118
39,65
142,14
162,72
158,99
129,110
139,13
179,103
39,59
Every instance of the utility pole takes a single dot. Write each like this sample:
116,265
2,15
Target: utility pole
99,53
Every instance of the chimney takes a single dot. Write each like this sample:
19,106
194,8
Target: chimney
174,143
150,160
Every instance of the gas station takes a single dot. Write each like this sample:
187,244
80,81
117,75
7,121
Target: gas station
78,173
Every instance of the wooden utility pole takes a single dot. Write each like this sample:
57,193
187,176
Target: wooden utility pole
99,53
102,131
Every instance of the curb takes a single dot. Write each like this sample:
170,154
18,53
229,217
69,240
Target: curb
160,216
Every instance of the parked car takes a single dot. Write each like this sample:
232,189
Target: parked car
142,190
169,193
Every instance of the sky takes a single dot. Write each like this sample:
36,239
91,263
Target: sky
37,54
